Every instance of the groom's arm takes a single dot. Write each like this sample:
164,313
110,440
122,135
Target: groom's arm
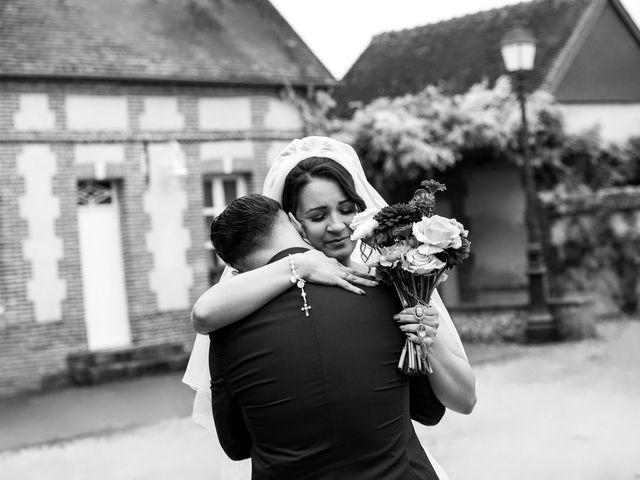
230,427
425,406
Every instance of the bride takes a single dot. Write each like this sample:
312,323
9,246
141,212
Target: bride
289,181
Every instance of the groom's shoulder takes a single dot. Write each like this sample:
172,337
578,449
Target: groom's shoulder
325,301
382,292
379,299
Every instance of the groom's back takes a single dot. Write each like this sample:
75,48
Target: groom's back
321,395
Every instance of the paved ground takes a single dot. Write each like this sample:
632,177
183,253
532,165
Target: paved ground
566,411
74,413
79,412
570,411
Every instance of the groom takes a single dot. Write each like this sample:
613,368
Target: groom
318,396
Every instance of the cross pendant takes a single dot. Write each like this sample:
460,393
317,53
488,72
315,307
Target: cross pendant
306,309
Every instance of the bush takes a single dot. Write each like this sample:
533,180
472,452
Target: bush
601,253
490,325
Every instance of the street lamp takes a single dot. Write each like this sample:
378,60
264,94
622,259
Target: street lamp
518,49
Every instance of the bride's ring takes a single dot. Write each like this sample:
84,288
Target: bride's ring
419,312
422,330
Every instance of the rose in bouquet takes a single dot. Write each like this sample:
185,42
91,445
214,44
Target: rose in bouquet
411,248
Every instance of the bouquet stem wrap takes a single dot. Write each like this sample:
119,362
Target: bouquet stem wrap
414,290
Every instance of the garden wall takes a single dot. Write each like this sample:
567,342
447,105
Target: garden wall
594,247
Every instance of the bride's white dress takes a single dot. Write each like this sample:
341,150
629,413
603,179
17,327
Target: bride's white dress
197,372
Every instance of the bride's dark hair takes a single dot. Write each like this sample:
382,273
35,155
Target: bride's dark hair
318,167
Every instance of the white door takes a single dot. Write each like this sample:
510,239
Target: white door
105,301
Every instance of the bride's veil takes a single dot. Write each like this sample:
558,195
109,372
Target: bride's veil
197,372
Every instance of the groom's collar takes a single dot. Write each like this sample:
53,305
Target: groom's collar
285,252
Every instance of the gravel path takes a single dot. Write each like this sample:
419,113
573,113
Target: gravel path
567,411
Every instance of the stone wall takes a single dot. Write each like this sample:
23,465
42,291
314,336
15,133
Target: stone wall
573,225
574,319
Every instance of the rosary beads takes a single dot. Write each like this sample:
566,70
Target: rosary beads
300,283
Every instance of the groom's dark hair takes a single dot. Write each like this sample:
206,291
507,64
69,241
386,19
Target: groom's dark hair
244,227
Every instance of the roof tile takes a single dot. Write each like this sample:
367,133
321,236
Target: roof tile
457,53
244,41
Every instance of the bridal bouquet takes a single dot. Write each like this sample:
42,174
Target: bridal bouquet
412,248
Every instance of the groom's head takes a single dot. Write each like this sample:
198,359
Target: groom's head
244,234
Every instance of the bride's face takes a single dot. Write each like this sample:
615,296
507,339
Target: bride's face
325,213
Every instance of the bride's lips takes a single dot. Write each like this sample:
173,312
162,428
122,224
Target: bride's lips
337,241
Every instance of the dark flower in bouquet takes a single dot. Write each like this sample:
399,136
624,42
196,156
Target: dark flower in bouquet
412,248
393,222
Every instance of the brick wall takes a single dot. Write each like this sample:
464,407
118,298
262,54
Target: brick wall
33,354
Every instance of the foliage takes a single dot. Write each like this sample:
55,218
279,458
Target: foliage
414,136
601,253
314,110
632,168
596,256
411,136
400,139
583,164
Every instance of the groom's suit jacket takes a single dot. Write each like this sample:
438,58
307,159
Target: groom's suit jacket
320,397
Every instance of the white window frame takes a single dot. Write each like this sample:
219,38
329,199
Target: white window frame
219,203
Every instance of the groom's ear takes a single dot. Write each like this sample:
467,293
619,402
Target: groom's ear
296,224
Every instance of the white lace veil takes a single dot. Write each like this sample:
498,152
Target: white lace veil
197,373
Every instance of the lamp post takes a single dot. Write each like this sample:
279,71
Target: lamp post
518,49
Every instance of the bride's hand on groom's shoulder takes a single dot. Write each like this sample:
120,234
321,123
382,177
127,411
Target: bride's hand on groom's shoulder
315,267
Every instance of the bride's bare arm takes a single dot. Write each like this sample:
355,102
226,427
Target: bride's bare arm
452,380
236,297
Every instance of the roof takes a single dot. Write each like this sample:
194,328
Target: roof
229,41
457,53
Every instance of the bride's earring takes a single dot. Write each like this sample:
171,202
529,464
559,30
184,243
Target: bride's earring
299,228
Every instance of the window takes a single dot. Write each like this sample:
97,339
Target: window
219,191
94,193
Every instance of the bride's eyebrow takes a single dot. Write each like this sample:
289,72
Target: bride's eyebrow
311,210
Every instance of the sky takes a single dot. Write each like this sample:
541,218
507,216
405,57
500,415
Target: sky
338,31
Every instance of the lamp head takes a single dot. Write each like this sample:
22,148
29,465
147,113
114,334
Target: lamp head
518,48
